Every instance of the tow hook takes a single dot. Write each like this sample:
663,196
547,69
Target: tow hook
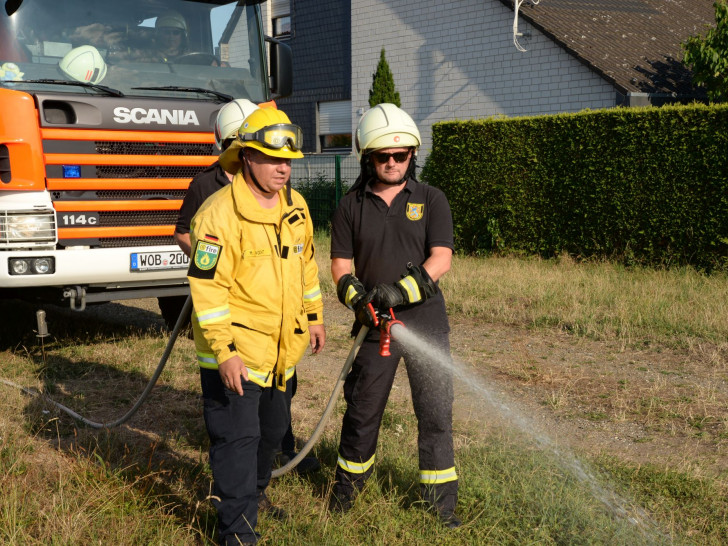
76,297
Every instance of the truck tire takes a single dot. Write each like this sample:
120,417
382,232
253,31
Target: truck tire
170,308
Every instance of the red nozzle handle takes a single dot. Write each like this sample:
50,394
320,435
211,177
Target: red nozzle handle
374,314
385,338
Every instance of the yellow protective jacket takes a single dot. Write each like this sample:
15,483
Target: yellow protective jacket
254,282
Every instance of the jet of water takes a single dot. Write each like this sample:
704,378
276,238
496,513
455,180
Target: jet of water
418,345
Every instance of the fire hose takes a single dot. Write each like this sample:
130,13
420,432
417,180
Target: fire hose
148,389
383,321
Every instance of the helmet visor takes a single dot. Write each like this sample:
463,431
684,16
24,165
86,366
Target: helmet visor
276,136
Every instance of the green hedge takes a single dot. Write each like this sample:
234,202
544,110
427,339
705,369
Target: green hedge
646,186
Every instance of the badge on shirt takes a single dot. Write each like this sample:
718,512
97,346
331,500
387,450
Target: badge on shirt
415,211
205,260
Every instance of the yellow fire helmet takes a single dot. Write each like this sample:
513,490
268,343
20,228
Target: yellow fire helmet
267,130
385,126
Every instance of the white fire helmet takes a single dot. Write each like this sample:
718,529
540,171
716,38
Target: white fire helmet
171,19
385,126
230,118
84,64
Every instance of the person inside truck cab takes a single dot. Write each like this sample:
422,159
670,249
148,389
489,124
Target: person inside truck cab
171,38
173,45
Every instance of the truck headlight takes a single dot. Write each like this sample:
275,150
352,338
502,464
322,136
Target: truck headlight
30,227
45,265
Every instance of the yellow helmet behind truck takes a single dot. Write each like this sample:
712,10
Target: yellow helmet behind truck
385,126
269,131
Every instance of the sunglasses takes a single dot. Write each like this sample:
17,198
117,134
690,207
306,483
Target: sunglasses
382,157
171,32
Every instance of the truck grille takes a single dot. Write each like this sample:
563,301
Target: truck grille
153,148
121,191
120,242
138,218
141,171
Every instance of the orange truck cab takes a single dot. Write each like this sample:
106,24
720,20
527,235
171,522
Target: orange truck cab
106,114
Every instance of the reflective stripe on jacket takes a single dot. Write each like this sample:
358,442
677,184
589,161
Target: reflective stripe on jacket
254,282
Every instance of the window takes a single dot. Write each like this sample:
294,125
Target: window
280,14
335,126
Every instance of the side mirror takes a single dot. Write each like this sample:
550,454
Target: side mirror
11,6
281,68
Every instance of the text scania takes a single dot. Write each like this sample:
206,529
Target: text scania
160,117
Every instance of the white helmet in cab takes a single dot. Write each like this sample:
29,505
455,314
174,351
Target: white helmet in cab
84,64
385,126
171,19
229,119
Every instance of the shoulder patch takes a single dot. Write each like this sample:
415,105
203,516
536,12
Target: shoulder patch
204,262
206,255
415,211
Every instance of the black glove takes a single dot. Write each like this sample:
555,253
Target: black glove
415,287
350,290
364,312
387,296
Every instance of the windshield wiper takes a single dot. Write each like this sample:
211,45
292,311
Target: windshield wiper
221,96
95,86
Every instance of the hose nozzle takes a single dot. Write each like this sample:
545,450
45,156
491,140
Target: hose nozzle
385,337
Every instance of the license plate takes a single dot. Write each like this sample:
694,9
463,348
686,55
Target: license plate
150,261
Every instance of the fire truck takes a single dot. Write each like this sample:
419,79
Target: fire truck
106,113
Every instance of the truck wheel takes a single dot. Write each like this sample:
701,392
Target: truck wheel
171,307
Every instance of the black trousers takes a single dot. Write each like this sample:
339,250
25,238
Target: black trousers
245,433
366,391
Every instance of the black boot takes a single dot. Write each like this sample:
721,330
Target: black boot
265,505
442,499
341,500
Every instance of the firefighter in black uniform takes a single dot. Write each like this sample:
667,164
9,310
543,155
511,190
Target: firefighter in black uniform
398,233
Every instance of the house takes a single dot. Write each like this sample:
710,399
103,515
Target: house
458,60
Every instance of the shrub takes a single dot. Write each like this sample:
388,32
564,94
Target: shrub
646,186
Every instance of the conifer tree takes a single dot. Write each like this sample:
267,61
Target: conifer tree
383,89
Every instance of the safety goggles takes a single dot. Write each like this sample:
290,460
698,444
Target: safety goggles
276,136
383,157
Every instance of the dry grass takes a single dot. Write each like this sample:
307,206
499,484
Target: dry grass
628,363
600,300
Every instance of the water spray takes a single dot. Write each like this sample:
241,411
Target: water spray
563,456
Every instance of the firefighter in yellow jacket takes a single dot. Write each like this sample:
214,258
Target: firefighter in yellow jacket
257,307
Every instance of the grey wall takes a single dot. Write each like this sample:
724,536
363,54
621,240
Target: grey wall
320,33
456,60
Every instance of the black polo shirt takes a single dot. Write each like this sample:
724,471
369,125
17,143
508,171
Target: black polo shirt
382,240
203,185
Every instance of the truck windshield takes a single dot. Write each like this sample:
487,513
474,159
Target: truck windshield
154,48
